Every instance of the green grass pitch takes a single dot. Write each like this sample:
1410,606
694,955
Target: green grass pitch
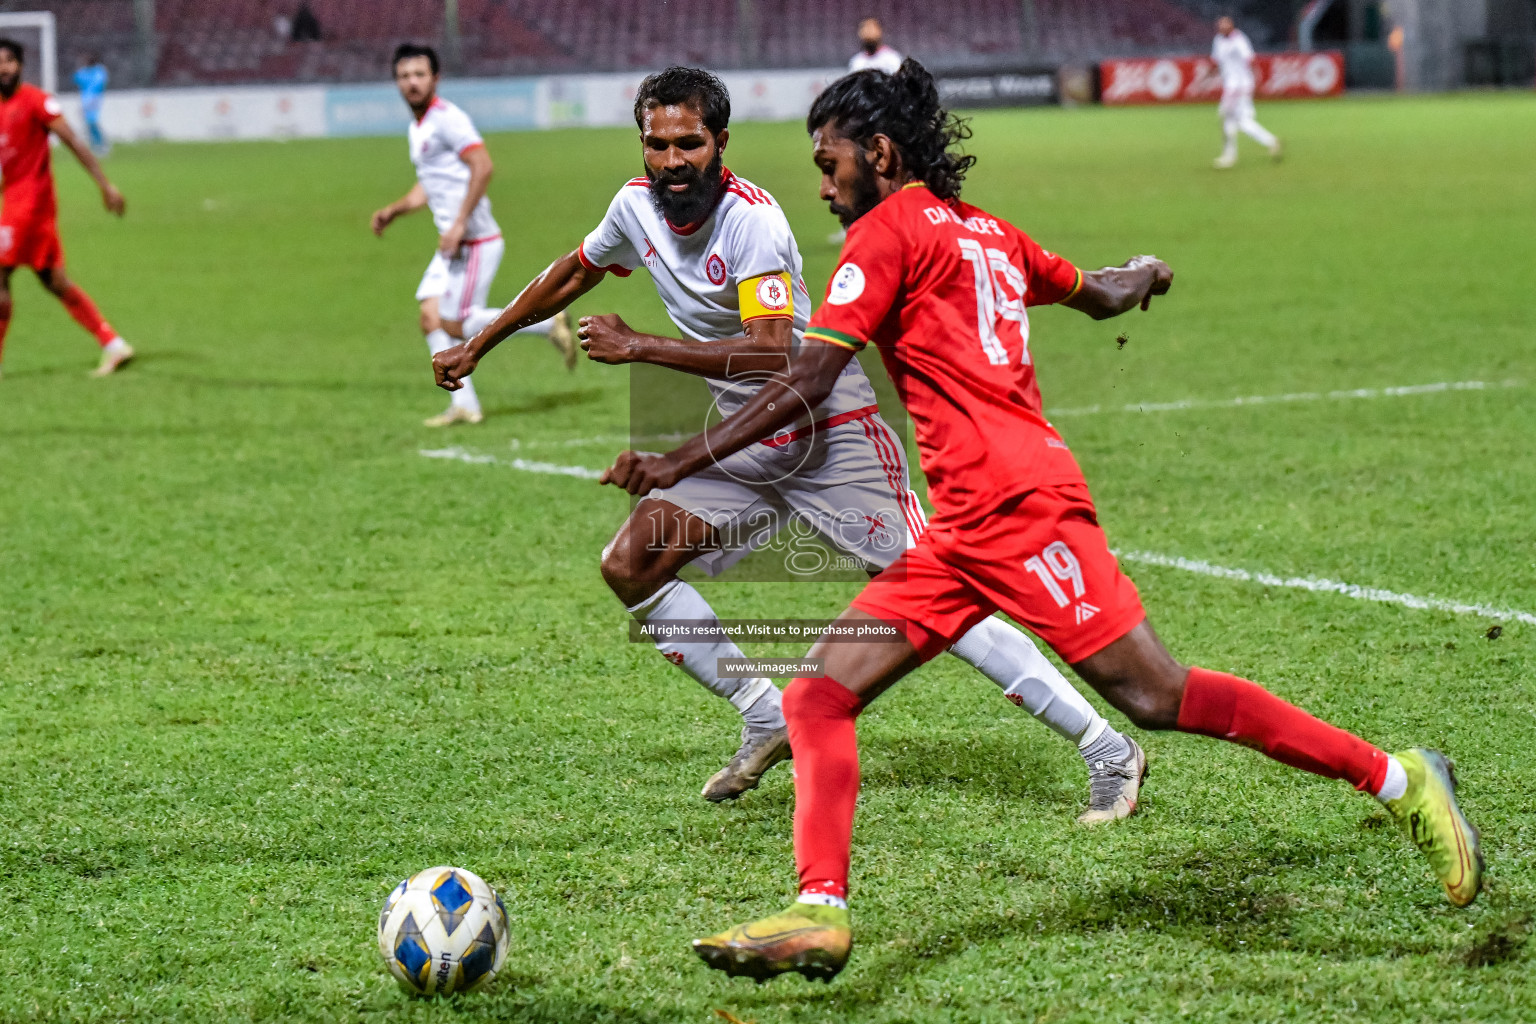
260,660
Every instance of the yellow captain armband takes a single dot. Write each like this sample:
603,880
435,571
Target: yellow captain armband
769,295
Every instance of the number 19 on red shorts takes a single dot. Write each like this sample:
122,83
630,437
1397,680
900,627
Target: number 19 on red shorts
1042,559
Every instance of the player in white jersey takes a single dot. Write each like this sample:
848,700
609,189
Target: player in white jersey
873,53
725,265
452,172
1233,55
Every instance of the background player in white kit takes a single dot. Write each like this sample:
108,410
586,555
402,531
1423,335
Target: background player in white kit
452,172
873,53
1233,54
724,262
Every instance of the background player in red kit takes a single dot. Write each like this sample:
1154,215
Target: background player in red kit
29,231
941,287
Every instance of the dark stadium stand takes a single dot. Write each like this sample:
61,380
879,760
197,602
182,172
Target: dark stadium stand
230,41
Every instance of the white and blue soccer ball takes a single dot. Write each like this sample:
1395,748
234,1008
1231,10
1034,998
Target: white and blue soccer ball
443,930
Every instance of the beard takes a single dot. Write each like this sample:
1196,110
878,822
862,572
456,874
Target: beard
695,202
865,197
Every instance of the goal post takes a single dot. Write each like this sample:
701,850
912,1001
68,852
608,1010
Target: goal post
35,30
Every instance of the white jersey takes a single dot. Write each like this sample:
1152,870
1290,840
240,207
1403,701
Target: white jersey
884,59
439,139
697,272
1233,55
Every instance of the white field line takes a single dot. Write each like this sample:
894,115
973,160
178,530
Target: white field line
1297,396
620,441
1314,584
1323,586
526,465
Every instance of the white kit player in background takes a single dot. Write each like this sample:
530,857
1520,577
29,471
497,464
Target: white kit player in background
873,53
724,262
1233,54
452,172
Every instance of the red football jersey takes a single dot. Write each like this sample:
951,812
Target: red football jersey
25,165
940,287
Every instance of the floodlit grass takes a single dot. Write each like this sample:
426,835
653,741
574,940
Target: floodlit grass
260,660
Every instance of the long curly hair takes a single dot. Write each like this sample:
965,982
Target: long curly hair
905,108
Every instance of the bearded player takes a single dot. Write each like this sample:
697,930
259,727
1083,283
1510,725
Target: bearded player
453,171
941,288
29,229
725,265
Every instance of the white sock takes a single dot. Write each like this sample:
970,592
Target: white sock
1103,744
465,397
757,698
1396,782
822,899
1257,132
479,319
482,317
1012,661
1229,133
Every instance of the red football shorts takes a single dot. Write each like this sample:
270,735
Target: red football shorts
1042,559
28,240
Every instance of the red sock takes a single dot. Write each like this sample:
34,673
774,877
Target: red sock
820,713
1229,708
5,323
86,314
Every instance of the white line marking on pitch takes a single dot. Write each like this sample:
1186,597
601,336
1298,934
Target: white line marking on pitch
1314,584
1323,586
1297,396
526,465
620,440
1403,391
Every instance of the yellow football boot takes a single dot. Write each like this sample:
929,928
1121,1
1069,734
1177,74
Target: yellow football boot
1427,811
808,938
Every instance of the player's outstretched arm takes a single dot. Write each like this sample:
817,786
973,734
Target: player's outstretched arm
1114,290
111,198
781,400
562,283
412,201
765,348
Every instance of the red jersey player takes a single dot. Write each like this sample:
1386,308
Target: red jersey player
941,288
29,232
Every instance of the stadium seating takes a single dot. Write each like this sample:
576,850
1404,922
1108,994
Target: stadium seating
1071,28
228,41
88,26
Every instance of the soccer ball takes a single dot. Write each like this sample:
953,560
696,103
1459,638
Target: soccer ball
443,930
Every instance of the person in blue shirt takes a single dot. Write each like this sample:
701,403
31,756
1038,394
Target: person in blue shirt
91,80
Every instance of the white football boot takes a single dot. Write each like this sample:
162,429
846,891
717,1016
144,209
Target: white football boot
453,414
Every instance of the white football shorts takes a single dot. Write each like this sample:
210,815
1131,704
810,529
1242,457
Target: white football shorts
464,282
845,482
1237,105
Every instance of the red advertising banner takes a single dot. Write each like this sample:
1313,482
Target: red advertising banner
1196,80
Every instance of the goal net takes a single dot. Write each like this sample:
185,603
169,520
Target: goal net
35,31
